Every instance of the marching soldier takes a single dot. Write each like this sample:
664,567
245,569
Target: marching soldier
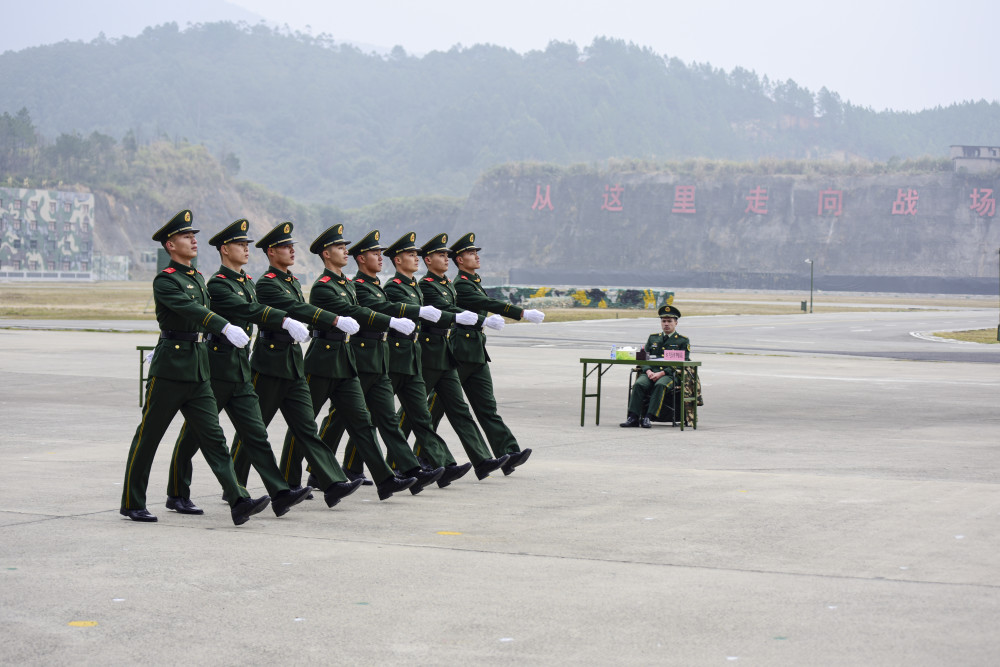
279,374
653,385
470,349
333,373
234,297
370,351
438,363
406,364
179,377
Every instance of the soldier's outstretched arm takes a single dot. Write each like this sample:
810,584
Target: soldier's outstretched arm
233,307
271,293
172,296
471,298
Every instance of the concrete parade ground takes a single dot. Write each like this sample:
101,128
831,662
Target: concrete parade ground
838,504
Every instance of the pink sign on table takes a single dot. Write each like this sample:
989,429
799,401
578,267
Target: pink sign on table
673,355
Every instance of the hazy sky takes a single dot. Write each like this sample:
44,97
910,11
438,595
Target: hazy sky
879,53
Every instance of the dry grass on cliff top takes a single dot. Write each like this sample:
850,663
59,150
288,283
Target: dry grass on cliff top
133,301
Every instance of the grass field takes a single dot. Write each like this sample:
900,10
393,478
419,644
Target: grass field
972,336
133,301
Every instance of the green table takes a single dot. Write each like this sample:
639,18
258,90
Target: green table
599,367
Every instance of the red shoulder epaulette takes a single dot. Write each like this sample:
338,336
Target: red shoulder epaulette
359,280
249,277
295,277
397,281
325,279
220,275
170,269
430,280
199,272
465,277
270,275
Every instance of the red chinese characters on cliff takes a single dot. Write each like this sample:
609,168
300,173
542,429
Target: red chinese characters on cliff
757,201
542,201
683,199
613,198
831,202
983,202
906,202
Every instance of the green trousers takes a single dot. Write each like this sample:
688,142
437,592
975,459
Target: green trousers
444,397
164,399
240,402
412,394
477,382
346,399
650,397
293,399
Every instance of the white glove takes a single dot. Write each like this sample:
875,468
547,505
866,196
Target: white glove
235,335
149,356
348,325
467,317
494,322
430,313
535,316
299,331
403,326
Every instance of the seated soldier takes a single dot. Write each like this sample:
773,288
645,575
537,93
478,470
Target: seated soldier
649,393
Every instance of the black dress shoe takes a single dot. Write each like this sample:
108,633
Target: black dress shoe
630,422
484,468
394,484
453,472
516,459
645,423
339,490
309,496
359,475
286,500
138,515
247,507
183,505
424,476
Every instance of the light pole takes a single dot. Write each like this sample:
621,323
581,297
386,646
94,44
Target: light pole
811,265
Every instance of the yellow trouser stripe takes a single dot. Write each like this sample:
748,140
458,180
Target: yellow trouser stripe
142,426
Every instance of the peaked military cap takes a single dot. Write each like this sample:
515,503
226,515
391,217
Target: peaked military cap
404,243
330,236
467,242
439,242
279,236
669,311
369,242
234,233
179,223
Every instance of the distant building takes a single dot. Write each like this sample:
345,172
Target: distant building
976,159
46,234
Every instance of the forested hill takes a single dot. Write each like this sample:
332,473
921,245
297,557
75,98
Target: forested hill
329,124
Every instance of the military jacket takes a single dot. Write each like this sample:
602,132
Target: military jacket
281,290
658,342
234,297
337,359
470,346
438,291
182,305
372,295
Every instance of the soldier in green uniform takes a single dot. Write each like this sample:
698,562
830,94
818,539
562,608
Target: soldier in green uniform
179,377
364,300
439,365
470,349
333,373
279,376
234,297
406,369
654,384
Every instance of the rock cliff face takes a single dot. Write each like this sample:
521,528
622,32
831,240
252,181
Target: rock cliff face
556,223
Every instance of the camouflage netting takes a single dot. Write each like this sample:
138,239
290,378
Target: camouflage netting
570,297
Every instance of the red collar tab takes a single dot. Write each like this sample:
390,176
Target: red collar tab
359,280
325,279
220,275
170,269
270,275
397,281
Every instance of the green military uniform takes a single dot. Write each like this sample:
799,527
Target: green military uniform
333,374
469,345
371,352
279,375
234,297
648,397
179,380
439,366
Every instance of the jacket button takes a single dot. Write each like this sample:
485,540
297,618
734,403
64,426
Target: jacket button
271,346
362,344
466,335
177,347
328,347
427,340
216,348
397,344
